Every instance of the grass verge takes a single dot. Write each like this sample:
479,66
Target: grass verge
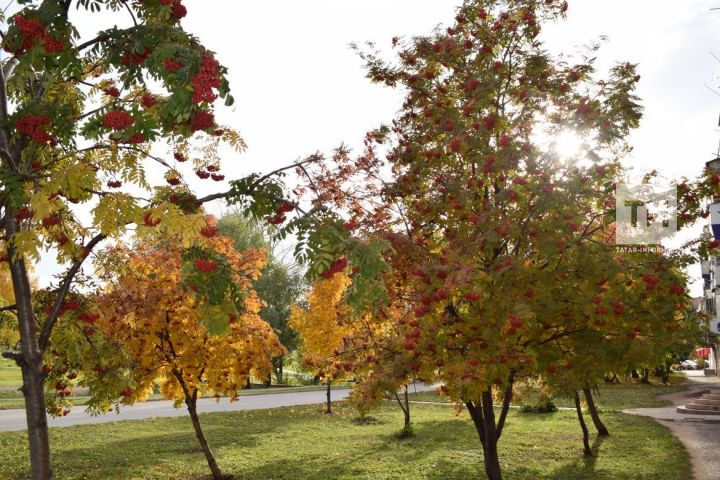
301,442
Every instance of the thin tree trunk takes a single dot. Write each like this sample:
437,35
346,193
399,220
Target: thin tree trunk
279,370
328,407
405,407
30,362
191,403
592,409
586,436
483,416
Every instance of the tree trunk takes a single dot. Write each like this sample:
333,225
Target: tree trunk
592,409
586,436
405,407
278,364
191,403
30,362
483,416
492,461
328,405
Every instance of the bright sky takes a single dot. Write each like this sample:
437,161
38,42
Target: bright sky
299,88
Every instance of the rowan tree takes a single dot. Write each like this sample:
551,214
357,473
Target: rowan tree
165,335
78,121
492,209
377,346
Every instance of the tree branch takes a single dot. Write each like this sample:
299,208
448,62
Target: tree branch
506,403
64,289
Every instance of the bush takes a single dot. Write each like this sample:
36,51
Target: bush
546,405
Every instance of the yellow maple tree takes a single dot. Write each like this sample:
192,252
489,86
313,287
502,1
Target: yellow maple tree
323,325
163,331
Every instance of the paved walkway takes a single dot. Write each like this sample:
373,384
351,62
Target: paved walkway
699,433
14,420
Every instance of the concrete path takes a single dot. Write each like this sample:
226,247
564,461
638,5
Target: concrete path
699,433
13,420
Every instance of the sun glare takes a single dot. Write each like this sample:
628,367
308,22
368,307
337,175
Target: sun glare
567,144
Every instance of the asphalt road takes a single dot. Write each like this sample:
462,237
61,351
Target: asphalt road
12,420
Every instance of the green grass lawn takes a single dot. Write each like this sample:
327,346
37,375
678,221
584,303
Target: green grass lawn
10,375
302,443
609,398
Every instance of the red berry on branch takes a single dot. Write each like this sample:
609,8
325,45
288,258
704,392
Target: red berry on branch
118,120
136,138
206,79
209,231
205,266
178,10
472,296
172,65
24,213
112,92
148,101
150,221
202,121
51,221
278,219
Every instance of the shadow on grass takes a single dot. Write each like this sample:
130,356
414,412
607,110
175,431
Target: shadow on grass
157,442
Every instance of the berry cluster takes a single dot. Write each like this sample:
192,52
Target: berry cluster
51,221
337,267
209,231
34,127
118,120
136,138
206,79
33,32
23,214
205,266
177,9
130,59
278,219
89,318
172,65
112,92
148,100
202,121
149,221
